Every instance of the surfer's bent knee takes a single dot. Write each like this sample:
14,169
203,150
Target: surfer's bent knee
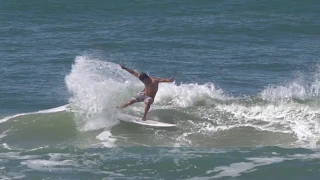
148,101
133,100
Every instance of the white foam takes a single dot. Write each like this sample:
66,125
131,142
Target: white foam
97,88
291,118
6,146
183,140
12,175
16,155
187,95
235,169
4,133
48,165
304,157
285,92
303,88
107,140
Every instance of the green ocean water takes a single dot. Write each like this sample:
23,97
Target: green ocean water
245,97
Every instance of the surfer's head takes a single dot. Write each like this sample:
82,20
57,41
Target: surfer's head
143,77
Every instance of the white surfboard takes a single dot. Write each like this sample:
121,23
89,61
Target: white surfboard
137,120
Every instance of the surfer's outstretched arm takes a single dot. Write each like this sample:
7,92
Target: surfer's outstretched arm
136,74
164,80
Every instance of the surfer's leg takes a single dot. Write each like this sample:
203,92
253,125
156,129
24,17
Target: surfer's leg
136,98
128,103
146,109
148,103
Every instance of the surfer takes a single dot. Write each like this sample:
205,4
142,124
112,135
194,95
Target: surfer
150,90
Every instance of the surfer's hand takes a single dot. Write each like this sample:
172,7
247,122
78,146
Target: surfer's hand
171,79
122,66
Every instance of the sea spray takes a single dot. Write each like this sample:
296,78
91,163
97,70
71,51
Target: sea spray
97,88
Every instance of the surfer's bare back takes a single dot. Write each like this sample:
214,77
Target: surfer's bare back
147,96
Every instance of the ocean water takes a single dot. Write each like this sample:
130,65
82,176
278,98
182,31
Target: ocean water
245,97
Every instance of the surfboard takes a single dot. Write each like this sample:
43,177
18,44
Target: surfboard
137,120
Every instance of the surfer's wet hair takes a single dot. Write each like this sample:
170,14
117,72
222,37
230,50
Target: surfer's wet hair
143,76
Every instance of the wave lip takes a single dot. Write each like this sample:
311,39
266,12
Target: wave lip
57,109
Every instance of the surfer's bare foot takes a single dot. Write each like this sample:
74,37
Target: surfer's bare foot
144,119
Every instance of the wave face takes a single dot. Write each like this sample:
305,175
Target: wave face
283,115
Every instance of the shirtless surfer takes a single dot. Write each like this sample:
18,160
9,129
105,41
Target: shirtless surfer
150,90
